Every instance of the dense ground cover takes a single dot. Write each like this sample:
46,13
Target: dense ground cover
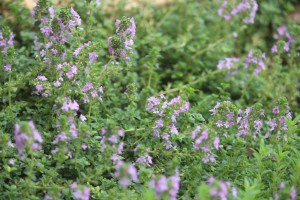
193,99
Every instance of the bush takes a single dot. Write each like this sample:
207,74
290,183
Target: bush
189,100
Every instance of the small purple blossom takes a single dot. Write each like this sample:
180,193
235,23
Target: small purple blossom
7,68
92,57
275,110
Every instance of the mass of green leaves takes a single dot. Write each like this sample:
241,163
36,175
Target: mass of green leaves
177,48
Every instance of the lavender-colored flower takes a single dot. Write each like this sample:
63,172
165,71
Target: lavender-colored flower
92,57
80,194
121,133
113,139
82,117
161,185
117,23
227,63
216,143
46,31
282,185
159,123
84,146
293,193
219,123
146,159
56,83
76,17
174,129
257,125
41,78
125,182
51,12
22,139
286,47
11,161
132,171
87,87
7,68
275,110
274,49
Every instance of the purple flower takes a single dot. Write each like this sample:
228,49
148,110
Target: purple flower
11,161
82,117
36,135
51,12
275,110
87,87
76,17
161,185
117,23
293,193
113,139
7,68
125,182
216,142
46,30
121,133
159,123
80,194
274,49
93,57
227,63
282,185
257,125
41,78
56,83
132,171
174,129
219,123
147,159
84,146
286,47
22,139
70,105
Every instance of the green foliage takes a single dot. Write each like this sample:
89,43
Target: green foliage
164,111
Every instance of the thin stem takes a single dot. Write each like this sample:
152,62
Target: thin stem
9,95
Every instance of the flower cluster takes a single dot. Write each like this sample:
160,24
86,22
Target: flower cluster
91,92
166,185
80,193
168,112
283,33
56,29
59,28
206,143
120,45
257,62
284,192
227,63
6,42
113,142
221,190
40,84
145,159
252,120
126,173
253,59
243,6
27,135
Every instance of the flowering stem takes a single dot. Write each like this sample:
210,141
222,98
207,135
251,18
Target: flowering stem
9,95
89,113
